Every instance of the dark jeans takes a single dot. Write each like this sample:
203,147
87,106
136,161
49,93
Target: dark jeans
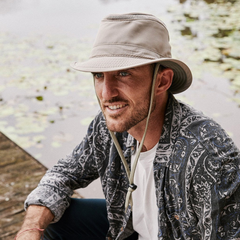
85,219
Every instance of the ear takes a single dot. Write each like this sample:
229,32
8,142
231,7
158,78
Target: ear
164,80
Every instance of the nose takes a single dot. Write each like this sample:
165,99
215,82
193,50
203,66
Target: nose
109,87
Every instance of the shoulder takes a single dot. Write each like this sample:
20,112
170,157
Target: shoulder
97,123
213,157
204,130
202,143
207,132
97,136
98,128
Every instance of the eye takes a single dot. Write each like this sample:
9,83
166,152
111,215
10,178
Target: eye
124,74
97,75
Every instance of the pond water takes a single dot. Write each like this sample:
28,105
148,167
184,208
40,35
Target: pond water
45,106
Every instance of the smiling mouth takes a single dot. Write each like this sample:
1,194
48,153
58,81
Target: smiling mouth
114,107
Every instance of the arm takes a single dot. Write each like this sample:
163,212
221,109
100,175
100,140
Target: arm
36,217
56,187
49,200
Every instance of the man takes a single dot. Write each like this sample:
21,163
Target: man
167,171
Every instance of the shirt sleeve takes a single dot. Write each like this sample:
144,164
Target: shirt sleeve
226,208
76,170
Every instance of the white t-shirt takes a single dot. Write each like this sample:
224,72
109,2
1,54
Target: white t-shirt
145,211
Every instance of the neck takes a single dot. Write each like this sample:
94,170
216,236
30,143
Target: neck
154,127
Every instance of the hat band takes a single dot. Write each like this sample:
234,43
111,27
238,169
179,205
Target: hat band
124,50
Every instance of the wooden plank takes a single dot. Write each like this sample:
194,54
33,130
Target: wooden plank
19,175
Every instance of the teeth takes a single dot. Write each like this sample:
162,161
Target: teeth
115,107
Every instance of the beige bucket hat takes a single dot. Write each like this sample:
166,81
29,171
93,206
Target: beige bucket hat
132,40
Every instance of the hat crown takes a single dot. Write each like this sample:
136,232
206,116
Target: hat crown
133,35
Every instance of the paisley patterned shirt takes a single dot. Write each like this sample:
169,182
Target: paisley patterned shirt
196,174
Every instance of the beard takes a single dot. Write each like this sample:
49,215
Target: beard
124,122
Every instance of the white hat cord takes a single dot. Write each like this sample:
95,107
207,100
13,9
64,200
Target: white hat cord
130,174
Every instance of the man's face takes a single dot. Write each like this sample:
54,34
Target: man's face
124,96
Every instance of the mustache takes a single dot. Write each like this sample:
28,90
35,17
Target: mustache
115,99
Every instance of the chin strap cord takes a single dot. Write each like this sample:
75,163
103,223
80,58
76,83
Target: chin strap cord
132,187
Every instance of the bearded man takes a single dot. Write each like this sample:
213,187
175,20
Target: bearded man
167,171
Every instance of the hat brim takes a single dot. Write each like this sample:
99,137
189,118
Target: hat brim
182,78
